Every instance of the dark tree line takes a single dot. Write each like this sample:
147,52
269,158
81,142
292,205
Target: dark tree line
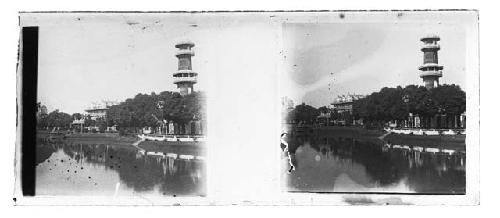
151,110
303,113
53,119
395,103
141,111
392,104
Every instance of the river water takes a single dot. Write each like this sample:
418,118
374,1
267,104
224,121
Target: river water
104,170
337,164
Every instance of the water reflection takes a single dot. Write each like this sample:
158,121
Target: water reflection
76,169
339,164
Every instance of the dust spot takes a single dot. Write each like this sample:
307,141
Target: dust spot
359,201
367,201
131,23
342,15
317,158
400,15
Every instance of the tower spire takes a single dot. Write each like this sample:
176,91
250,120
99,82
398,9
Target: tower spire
185,77
430,71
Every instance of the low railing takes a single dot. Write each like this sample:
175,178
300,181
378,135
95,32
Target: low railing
184,52
185,79
430,46
419,131
431,73
184,71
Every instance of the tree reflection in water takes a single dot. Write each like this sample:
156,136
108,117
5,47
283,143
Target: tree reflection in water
321,161
138,171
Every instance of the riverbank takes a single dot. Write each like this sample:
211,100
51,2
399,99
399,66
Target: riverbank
193,148
100,138
357,133
454,142
114,139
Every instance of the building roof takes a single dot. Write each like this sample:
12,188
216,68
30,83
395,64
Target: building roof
103,105
345,99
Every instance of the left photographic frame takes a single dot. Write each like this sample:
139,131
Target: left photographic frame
110,106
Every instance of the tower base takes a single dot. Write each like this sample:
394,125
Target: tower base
185,89
431,82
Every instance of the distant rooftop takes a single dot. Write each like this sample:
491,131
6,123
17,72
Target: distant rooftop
347,98
104,105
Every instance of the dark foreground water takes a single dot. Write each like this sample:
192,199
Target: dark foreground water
75,169
336,164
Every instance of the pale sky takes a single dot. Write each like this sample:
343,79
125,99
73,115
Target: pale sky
85,58
324,60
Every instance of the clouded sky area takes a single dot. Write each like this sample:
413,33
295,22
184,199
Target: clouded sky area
323,60
85,58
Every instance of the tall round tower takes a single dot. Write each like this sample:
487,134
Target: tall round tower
185,77
430,71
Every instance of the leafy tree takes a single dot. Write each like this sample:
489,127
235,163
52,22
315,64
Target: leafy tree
395,103
150,110
41,115
76,116
449,98
303,113
323,109
58,119
88,121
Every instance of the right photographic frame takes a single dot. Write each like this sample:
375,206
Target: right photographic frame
380,103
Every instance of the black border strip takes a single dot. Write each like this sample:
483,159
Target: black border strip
28,108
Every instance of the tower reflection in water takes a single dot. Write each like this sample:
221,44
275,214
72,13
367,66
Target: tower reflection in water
340,164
